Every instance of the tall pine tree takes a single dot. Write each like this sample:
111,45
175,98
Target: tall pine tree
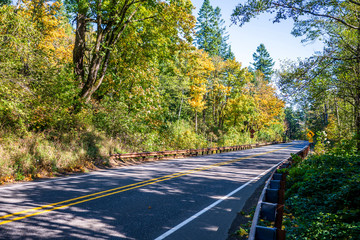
211,32
263,62
204,33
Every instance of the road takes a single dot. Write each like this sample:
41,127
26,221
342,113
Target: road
191,198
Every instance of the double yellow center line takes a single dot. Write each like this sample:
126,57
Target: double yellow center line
70,202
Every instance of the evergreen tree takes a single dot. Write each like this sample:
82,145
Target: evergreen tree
220,37
205,31
229,54
263,62
211,32
5,2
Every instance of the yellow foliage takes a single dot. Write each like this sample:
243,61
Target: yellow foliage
268,104
242,232
200,69
54,43
332,129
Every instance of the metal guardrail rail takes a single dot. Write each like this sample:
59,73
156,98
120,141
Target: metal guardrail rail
188,152
271,204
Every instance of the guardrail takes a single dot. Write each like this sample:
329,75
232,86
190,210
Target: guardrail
270,206
188,152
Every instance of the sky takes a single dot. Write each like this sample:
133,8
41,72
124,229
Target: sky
276,37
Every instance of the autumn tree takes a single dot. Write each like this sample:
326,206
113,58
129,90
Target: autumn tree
149,86
240,109
109,21
199,72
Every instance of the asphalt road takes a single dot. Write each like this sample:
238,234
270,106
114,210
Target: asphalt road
192,198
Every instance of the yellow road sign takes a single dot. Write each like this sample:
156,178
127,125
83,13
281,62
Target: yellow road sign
310,134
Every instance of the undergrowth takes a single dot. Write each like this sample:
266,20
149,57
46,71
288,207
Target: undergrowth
30,154
36,155
323,200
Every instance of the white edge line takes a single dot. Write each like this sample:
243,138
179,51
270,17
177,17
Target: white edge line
180,225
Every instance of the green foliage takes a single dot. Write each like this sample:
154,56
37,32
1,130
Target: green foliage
323,198
293,119
344,147
235,137
321,142
263,62
183,136
327,82
66,104
211,34
4,2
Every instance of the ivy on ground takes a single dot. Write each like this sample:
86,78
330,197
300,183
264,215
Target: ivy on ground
322,198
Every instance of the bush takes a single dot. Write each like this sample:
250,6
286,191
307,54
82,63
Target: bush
181,135
234,137
323,197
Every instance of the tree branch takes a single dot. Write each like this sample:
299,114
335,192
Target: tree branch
316,14
354,2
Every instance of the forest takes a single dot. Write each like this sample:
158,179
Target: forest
81,80
322,200
324,89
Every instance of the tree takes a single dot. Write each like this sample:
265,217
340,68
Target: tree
109,20
294,121
211,33
221,36
205,32
200,71
263,62
5,2
150,83
269,106
338,23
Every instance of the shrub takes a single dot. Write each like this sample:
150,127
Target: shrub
234,137
323,197
183,136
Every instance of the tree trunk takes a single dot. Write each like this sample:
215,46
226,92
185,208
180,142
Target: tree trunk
88,88
357,89
325,115
204,116
80,47
107,37
338,119
196,122
357,122
181,103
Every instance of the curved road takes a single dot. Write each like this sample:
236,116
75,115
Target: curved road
192,198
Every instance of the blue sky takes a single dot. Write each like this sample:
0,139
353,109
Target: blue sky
276,37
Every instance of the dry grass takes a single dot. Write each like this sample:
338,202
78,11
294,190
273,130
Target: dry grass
42,155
